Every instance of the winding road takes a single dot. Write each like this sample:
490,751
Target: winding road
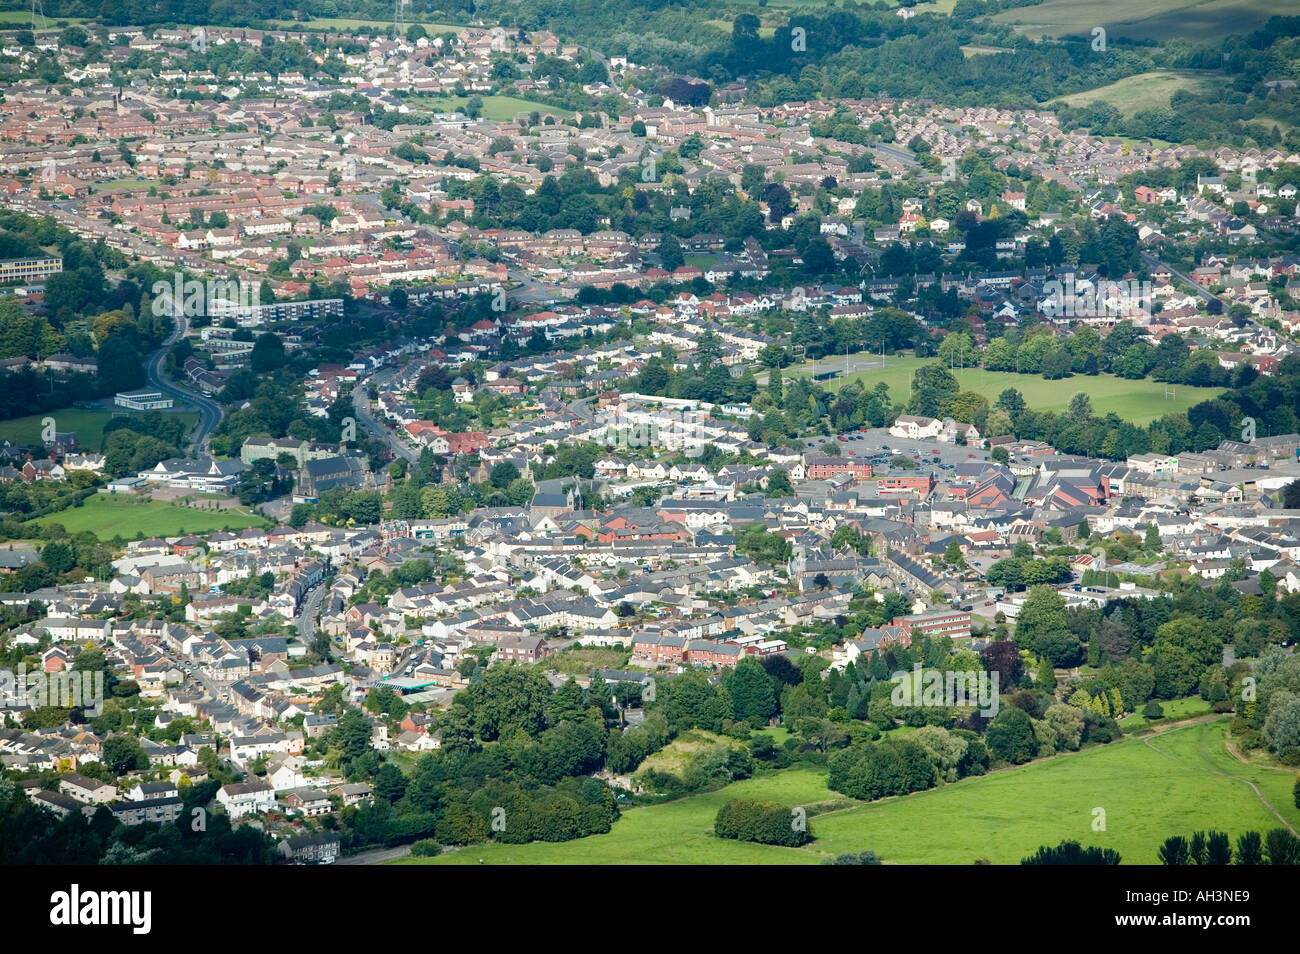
210,412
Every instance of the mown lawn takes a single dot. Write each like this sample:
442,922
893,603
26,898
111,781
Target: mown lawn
1175,782
117,185
1136,401
500,108
108,516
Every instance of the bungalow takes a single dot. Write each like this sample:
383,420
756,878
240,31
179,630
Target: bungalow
308,801
353,793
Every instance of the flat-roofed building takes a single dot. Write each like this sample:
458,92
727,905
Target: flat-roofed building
28,269
143,399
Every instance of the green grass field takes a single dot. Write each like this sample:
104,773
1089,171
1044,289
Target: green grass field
777,733
580,660
1174,710
1136,401
1157,20
120,185
108,516
1143,90
1172,783
725,26
89,426
23,18
499,108
679,832
937,6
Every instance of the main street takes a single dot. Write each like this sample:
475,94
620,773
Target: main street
367,419
306,620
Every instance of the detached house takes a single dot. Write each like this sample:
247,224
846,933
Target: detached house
527,649
916,428
955,432
246,798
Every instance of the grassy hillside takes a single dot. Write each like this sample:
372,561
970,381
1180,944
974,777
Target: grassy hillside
1144,90
1158,20
1152,787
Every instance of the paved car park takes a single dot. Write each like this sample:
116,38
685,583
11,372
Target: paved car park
879,446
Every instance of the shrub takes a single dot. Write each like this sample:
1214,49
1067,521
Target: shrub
663,783
1010,736
426,848
854,858
767,823
1250,849
1153,710
1175,852
1072,853
1249,739
1281,847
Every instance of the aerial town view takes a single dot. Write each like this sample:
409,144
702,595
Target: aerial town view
741,432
